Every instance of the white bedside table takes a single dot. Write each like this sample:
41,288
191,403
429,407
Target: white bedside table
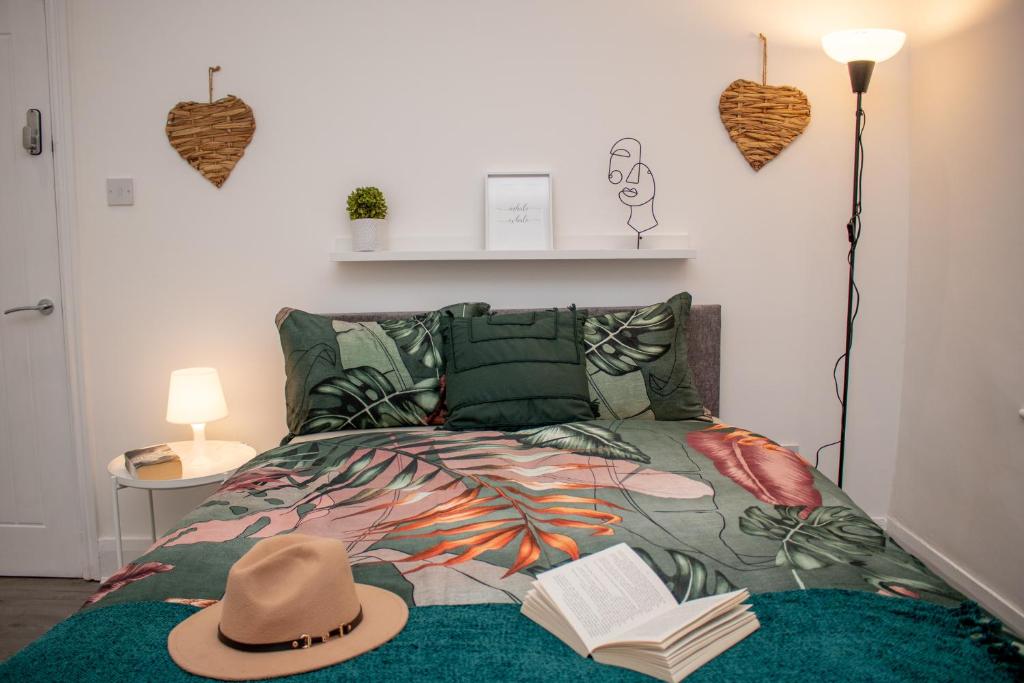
219,461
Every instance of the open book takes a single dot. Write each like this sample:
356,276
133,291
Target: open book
613,607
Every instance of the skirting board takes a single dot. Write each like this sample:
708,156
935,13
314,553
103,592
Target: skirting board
1003,608
133,547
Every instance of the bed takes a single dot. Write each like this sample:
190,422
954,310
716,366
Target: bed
461,518
418,508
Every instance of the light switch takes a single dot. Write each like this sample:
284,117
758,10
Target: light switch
120,192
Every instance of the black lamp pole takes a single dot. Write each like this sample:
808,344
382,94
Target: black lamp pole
860,76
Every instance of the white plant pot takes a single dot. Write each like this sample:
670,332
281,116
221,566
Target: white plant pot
369,234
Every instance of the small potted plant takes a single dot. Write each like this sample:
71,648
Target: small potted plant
367,211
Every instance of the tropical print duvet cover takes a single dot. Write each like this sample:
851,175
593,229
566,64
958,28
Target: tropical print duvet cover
444,517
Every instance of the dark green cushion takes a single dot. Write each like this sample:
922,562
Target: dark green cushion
516,370
637,362
359,375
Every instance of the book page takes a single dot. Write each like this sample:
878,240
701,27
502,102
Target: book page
537,607
604,594
682,618
680,669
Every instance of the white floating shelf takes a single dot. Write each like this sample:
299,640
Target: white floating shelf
551,255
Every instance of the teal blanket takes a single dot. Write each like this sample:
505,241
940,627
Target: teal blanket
805,635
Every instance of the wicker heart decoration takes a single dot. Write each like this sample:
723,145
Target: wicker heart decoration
763,119
212,136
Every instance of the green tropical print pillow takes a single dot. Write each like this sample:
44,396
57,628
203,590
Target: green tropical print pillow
362,375
637,362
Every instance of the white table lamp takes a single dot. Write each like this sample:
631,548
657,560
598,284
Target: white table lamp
194,398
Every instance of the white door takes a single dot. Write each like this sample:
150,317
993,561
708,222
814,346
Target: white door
41,530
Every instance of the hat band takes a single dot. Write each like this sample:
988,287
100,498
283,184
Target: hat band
301,643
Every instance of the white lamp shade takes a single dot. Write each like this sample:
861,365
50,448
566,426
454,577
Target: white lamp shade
195,397
863,44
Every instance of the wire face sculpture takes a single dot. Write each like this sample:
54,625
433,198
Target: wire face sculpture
625,168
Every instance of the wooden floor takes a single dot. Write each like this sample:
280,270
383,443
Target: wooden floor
29,607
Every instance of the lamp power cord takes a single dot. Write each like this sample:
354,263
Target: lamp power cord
853,228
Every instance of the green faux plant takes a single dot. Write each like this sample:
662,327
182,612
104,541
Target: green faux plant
367,202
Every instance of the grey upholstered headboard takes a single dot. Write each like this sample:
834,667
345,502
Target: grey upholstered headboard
705,338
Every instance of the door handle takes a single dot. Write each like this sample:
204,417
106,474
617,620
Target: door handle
45,306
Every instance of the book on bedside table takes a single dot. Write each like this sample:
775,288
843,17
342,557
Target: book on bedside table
153,462
611,606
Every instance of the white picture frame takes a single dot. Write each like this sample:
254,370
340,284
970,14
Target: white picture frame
518,208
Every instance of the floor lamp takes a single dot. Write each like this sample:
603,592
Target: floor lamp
860,50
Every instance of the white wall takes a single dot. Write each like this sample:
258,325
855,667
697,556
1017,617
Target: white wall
960,469
422,99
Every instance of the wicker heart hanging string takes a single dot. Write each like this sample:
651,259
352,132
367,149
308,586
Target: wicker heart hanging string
763,119
211,136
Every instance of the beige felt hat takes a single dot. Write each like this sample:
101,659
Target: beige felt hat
290,606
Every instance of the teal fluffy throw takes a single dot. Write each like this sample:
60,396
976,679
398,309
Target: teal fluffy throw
805,635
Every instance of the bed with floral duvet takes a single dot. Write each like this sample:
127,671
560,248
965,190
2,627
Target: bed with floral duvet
448,520
444,517
469,518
